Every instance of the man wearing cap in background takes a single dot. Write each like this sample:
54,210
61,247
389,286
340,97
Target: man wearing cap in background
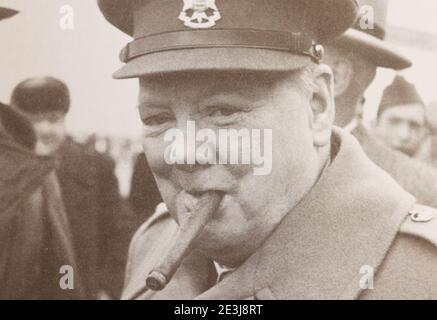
401,119
354,59
35,240
325,212
428,149
88,185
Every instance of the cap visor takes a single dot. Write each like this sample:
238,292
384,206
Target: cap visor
374,49
212,59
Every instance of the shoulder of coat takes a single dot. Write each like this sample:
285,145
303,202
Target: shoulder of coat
158,227
422,223
149,241
161,213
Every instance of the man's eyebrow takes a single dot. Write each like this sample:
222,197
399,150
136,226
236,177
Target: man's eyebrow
233,98
149,104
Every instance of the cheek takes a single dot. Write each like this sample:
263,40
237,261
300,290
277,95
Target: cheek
385,128
291,155
154,149
293,149
417,135
292,138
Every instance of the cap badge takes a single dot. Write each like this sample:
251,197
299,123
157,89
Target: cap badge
199,14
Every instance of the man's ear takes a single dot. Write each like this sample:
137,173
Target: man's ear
322,105
343,71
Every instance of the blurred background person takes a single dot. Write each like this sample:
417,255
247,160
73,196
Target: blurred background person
88,186
401,118
45,103
428,149
35,239
354,59
144,194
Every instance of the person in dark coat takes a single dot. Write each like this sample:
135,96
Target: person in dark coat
144,195
88,186
99,218
35,239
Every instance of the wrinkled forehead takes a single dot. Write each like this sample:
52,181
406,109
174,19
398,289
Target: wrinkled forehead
210,82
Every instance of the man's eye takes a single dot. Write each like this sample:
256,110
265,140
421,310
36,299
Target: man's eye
224,112
157,120
415,126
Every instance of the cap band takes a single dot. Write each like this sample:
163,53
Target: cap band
222,38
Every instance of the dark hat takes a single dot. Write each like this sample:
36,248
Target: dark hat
7,13
399,93
40,95
370,42
176,35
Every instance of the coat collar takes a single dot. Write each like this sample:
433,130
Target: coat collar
347,221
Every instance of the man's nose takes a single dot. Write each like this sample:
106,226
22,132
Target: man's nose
186,159
404,131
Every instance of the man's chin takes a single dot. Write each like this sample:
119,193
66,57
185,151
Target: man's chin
217,238
216,248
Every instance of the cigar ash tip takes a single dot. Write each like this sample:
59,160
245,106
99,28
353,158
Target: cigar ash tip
156,281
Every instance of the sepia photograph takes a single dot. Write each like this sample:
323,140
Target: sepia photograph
218,150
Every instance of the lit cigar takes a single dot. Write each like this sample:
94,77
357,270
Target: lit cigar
182,244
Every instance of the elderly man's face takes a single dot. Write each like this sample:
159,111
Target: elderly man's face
402,128
253,204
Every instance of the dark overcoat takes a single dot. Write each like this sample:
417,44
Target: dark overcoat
97,215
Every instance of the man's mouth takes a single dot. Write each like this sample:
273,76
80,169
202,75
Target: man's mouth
187,202
195,220
215,179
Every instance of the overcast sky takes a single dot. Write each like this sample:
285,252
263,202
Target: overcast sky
414,14
33,44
